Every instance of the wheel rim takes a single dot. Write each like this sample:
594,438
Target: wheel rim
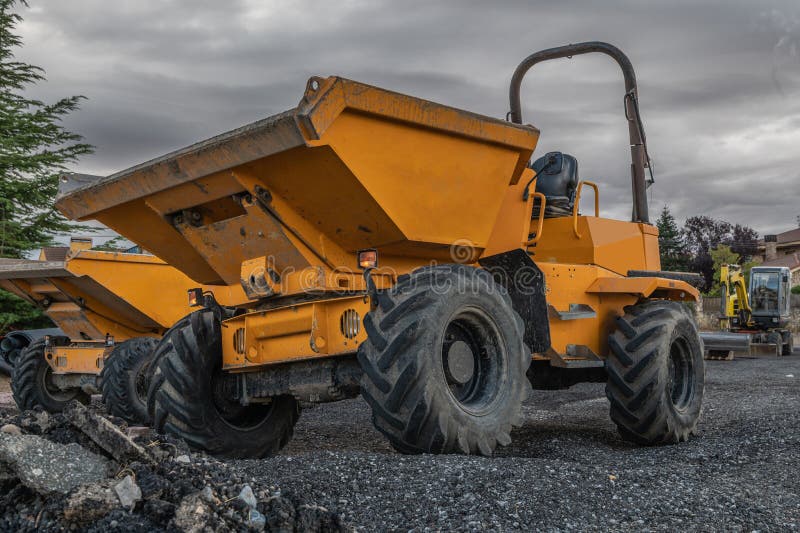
473,359
237,416
681,374
49,388
140,384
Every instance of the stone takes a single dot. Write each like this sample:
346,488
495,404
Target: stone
106,435
192,514
256,520
46,466
135,432
208,495
183,459
128,492
90,503
36,421
11,429
247,496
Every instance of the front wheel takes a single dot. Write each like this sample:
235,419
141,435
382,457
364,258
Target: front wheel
33,384
445,363
188,400
656,373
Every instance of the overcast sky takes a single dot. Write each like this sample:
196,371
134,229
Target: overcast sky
719,81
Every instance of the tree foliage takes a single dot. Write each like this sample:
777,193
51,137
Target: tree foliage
35,149
671,243
721,255
16,313
724,255
703,234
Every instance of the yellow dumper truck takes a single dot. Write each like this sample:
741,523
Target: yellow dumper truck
409,252
111,307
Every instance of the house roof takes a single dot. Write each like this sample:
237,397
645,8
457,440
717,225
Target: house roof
790,260
55,253
793,235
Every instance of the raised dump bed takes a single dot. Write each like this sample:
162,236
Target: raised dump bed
99,300
99,293
352,167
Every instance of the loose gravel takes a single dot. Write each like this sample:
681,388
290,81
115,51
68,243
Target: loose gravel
566,469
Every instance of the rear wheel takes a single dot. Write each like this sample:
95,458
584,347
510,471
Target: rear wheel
444,363
655,373
123,380
788,345
32,382
188,399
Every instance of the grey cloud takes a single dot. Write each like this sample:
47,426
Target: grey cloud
719,85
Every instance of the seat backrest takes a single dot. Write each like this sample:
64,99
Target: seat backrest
557,179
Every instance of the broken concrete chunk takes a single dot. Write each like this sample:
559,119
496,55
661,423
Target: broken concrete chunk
135,432
90,502
128,492
36,422
106,435
11,429
192,515
183,459
46,467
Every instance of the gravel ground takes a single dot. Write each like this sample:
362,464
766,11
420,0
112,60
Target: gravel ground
566,468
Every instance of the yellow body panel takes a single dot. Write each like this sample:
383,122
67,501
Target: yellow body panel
306,331
83,358
612,244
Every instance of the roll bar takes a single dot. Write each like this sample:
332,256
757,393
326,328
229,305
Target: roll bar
638,142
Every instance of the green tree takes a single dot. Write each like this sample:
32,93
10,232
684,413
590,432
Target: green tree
35,149
703,234
16,313
721,255
671,243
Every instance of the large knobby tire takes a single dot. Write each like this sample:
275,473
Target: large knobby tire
123,380
445,362
656,373
186,400
31,381
9,358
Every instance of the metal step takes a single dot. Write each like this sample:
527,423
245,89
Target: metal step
575,312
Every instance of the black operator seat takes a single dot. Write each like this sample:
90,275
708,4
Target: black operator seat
557,179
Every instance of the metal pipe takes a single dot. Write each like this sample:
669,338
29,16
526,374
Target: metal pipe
639,157
726,341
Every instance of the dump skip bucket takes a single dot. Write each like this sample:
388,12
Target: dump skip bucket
352,167
98,292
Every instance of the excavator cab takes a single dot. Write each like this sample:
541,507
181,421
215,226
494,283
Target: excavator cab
769,296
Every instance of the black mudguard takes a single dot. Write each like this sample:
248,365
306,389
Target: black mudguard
524,281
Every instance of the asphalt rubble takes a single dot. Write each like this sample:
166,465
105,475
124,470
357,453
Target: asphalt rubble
86,471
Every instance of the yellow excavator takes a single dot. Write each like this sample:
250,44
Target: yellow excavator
753,322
